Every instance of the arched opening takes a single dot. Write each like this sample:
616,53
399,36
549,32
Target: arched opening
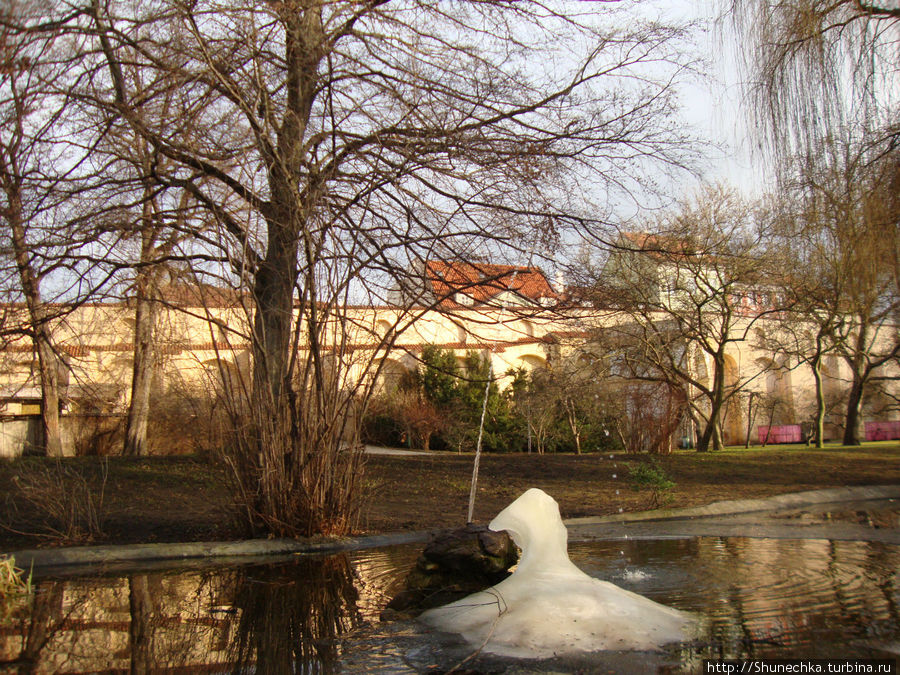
775,402
222,378
391,375
383,327
732,425
835,396
779,390
532,361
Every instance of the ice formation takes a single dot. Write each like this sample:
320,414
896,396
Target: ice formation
548,606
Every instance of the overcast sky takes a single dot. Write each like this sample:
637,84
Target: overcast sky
714,104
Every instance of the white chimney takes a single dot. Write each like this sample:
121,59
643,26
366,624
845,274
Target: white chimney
560,284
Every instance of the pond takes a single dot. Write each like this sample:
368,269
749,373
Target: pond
765,598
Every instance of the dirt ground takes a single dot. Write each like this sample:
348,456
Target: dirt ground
172,499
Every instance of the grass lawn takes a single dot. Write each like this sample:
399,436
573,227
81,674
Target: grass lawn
89,500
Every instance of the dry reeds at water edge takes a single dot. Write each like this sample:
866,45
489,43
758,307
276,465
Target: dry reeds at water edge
14,584
294,474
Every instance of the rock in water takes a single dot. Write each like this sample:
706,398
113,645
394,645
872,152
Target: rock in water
454,564
549,607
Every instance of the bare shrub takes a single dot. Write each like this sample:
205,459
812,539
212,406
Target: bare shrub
68,501
649,415
420,418
97,435
294,479
186,421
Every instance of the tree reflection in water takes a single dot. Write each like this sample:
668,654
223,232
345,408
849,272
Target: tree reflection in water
277,618
45,617
140,630
289,617
764,598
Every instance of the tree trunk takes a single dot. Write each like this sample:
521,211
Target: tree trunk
820,403
273,292
574,427
706,436
540,437
712,431
750,418
145,314
854,405
45,617
286,214
141,375
49,373
856,361
772,406
48,363
718,439
618,429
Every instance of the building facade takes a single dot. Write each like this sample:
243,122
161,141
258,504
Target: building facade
514,316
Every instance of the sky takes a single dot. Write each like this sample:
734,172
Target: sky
713,105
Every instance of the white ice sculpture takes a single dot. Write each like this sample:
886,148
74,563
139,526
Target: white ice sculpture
548,606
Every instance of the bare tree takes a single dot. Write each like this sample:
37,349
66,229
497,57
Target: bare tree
28,65
159,230
688,291
576,384
146,218
823,88
338,145
841,218
803,333
647,416
816,66
62,242
536,400
804,337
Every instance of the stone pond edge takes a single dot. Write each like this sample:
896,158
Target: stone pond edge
37,559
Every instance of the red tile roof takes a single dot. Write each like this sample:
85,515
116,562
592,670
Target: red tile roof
201,295
658,246
483,282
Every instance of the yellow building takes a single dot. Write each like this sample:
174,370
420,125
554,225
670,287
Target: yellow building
514,315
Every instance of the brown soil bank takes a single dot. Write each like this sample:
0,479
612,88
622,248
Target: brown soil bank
171,499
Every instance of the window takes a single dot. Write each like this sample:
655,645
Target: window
382,327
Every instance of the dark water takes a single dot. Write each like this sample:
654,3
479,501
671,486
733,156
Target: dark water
760,598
